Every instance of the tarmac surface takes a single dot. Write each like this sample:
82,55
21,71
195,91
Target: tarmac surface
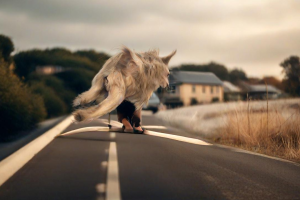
114,165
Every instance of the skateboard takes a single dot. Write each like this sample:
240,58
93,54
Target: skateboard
117,129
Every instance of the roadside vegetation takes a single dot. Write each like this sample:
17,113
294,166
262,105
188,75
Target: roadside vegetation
268,127
28,97
60,88
20,108
269,130
272,130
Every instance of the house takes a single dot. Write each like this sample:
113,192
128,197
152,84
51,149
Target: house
190,88
231,92
260,91
49,69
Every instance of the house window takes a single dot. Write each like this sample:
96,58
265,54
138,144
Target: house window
212,89
203,89
193,88
218,89
172,89
177,90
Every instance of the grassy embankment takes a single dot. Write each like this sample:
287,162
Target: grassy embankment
269,130
268,127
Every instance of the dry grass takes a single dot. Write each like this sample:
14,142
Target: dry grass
269,130
268,127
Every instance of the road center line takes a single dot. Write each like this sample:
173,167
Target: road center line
85,129
154,127
113,184
177,137
148,132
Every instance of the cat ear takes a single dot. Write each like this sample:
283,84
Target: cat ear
129,55
166,59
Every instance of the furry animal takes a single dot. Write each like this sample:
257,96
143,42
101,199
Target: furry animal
126,76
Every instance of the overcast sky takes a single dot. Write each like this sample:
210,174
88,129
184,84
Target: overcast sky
254,35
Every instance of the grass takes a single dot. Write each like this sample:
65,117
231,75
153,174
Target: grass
268,130
268,127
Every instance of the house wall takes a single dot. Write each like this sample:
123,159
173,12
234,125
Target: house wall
202,93
49,69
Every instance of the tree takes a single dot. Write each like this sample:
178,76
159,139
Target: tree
291,69
20,109
78,80
6,47
218,69
271,80
79,68
57,85
27,61
54,104
94,56
237,75
253,80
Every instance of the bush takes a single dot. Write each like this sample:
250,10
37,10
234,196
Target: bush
78,80
20,109
215,99
194,101
54,104
27,61
6,47
66,94
79,68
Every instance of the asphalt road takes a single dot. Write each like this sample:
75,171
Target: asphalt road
82,165
24,137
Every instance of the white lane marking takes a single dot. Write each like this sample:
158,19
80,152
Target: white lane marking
112,135
10,165
86,129
104,164
154,127
177,137
100,188
118,124
262,155
113,185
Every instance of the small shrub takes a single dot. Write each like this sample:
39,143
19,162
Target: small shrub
56,84
194,101
20,109
78,80
54,104
215,99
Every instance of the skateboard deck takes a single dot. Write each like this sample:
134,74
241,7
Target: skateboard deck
116,129
120,130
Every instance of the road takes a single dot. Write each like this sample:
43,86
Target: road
113,165
24,137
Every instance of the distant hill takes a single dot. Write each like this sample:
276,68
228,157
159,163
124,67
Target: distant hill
73,74
27,61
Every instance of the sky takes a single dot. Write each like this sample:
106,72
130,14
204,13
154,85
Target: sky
252,35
